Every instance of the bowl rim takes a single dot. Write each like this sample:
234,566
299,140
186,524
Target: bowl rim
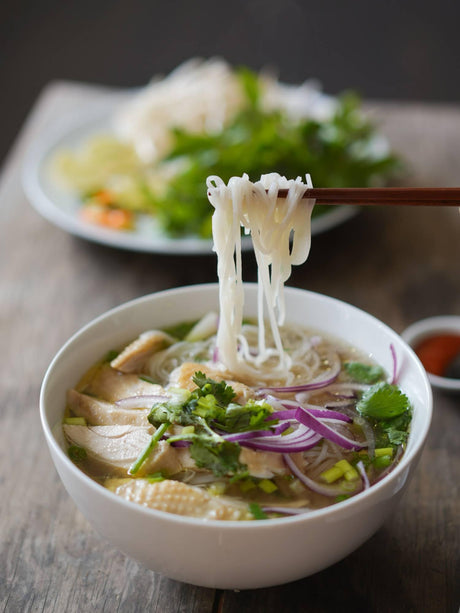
430,326
329,511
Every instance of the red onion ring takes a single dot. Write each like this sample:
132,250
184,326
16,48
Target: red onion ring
305,417
362,472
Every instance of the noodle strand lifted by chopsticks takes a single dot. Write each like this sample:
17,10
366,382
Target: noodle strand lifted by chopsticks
281,236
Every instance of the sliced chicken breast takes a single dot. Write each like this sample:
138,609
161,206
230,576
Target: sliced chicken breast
134,356
102,413
181,499
115,448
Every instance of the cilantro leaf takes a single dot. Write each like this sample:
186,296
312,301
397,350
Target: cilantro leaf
364,373
257,511
396,429
77,453
173,411
243,418
222,392
383,401
221,458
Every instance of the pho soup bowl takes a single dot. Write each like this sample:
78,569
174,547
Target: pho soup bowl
230,554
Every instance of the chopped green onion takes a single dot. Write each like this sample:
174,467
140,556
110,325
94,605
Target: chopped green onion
134,468
77,453
382,461
342,468
332,474
256,511
383,451
349,472
267,486
246,485
155,477
111,355
75,421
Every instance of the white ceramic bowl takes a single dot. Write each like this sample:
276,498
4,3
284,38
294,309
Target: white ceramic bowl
236,555
420,330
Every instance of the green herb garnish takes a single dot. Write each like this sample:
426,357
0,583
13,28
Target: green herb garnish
220,457
389,411
111,355
364,373
156,436
207,408
77,453
257,511
383,401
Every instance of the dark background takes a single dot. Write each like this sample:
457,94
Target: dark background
390,49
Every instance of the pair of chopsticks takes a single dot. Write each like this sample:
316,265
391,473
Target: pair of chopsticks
370,196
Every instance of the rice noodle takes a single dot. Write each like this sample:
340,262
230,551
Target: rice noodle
273,223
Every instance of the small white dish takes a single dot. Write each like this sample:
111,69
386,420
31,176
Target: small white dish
229,554
429,327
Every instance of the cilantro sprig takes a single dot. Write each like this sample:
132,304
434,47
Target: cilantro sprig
389,411
210,410
364,373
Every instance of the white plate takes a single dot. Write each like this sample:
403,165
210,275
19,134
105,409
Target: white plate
61,207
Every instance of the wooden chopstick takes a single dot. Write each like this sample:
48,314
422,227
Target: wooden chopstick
370,196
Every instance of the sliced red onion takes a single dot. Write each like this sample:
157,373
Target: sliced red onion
368,433
305,417
299,440
281,415
285,510
183,443
313,409
237,437
325,490
141,402
362,472
282,427
328,414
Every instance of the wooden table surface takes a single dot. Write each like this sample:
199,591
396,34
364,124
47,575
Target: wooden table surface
399,264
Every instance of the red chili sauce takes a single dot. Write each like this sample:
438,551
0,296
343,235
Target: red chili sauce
438,352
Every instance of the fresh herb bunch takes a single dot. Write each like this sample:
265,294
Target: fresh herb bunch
205,411
336,152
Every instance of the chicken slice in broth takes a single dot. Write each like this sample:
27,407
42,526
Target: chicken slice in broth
180,499
101,413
